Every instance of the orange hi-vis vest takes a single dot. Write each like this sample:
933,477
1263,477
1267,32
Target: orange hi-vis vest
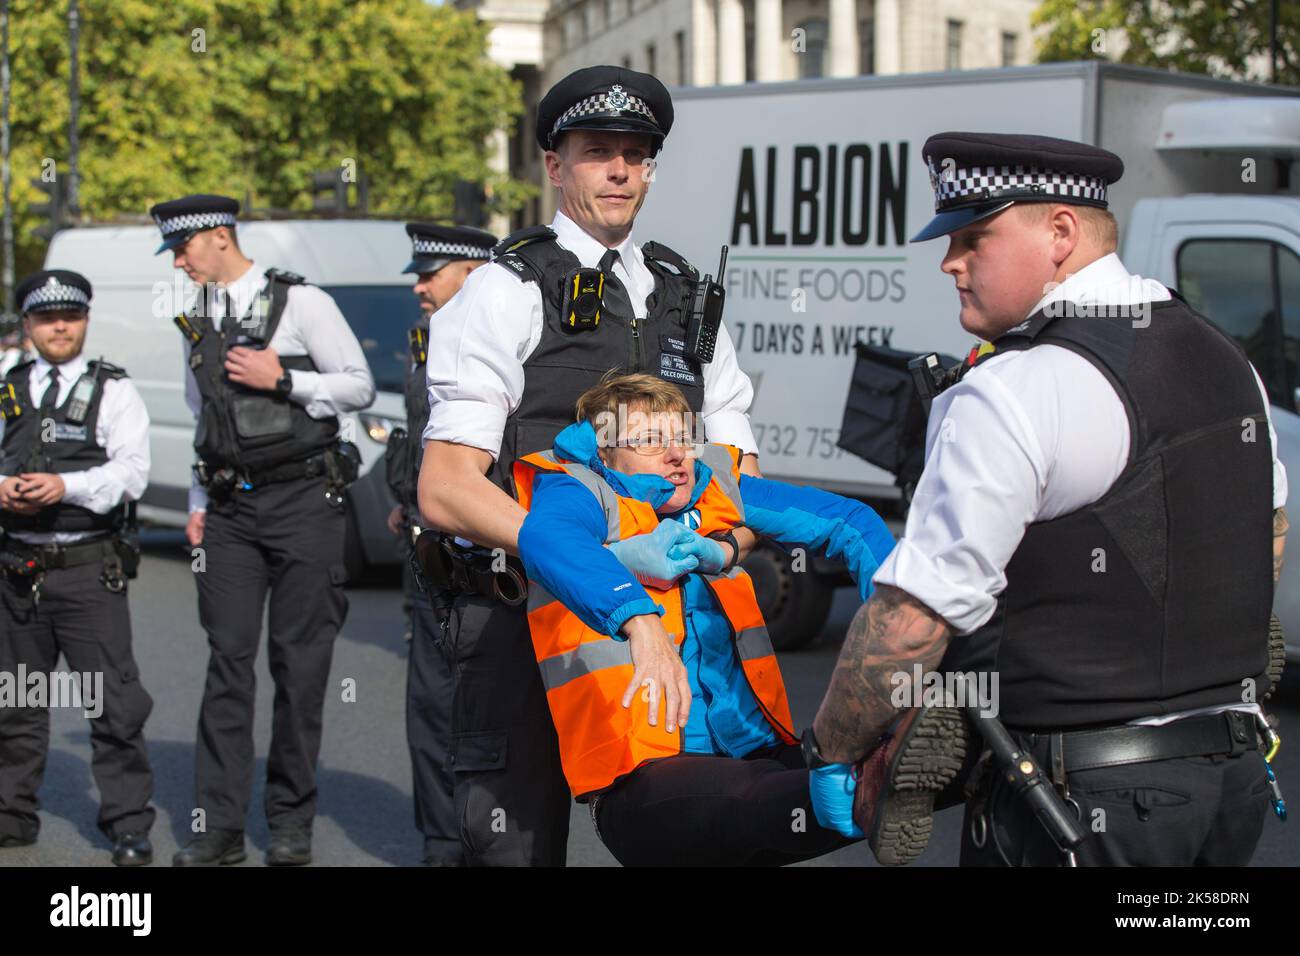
586,672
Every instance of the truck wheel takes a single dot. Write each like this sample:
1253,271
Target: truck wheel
795,605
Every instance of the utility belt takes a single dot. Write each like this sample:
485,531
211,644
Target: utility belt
441,564
27,564
1061,753
1229,733
339,465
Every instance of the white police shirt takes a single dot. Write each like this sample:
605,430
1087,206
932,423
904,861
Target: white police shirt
1048,435
122,430
311,325
479,341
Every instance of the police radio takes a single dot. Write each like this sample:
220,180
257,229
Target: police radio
418,339
583,298
705,317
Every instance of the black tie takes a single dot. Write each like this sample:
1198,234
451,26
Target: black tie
51,397
615,296
230,323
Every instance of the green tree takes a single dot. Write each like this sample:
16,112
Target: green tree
1226,38
247,97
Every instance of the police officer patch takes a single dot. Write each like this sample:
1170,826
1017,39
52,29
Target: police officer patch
673,363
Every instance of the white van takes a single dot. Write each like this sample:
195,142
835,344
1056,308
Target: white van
358,262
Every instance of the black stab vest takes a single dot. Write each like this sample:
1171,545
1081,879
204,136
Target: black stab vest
566,364
71,447
416,391
1156,597
248,429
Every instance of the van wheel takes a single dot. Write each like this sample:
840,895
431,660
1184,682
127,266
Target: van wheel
795,605
354,555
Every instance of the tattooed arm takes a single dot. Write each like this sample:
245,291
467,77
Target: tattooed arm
1280,527
892,632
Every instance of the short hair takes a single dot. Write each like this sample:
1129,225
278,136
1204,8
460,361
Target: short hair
639,390
1100,225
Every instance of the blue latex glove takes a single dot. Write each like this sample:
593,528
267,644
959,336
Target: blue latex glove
658,558
832,788
711,555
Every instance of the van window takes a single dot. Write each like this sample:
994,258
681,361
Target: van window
1250,288
380,316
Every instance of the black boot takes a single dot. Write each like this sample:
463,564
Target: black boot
132,849
214,848
289,847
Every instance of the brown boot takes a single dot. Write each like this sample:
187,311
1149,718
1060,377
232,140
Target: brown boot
899,780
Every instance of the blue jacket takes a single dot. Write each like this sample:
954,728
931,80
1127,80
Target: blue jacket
561,544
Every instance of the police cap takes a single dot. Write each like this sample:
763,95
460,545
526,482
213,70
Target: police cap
434,246
52,290
975,175
180,219
606,98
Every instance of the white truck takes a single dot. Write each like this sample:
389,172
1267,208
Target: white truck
137,294
816,187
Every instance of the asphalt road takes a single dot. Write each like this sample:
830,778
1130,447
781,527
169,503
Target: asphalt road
365,815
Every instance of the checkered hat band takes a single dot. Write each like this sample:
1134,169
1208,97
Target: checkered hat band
960,186
54,295
195,220
435,249
599,104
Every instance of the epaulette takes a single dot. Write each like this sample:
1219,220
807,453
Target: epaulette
521,237
507,252
108,369
288,278
658,252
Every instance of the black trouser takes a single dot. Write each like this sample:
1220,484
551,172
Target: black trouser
511,798
703,810
91,627
1188,811
286,539
430,693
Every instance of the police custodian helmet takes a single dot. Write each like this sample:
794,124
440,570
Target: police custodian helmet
434,246
606,98
975,175
180,219
53,290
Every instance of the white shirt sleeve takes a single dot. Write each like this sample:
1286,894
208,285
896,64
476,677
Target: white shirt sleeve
727,397
1027,436
1280,487
312,325
477,345
122,429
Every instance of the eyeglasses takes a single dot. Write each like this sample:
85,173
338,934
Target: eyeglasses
652,443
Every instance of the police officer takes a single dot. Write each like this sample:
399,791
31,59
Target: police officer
441,258
74,459
507,362
271,364
1093,525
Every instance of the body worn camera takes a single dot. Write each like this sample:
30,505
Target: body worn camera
583,299
705,317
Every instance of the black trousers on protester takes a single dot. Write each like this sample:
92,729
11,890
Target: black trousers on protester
1187,811
285,539
511,800
704,810
91,627
430,693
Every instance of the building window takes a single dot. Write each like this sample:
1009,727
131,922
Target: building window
650,58
867,46
812,59
609,13
630,8
679,47
1008,49
954,44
